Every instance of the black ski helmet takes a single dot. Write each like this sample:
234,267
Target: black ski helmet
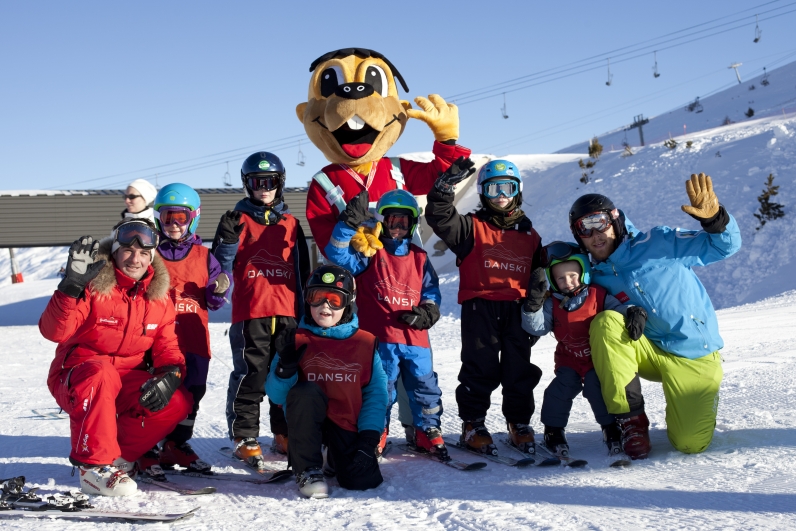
335,278
589,204
262,163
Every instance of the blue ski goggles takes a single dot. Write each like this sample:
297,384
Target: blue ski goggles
559,251
495,188
129,233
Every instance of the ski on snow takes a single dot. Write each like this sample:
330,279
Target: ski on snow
96,514
219,476
547,461
49,415
458,465
503,460
172,487
274,475
566,460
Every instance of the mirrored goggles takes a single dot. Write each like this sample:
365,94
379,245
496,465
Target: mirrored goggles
397,221
507,188
182,216
264,182
557,251
128,233
317,296
599,221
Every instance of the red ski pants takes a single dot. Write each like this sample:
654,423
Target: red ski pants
106,419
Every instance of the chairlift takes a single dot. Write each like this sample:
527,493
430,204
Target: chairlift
758,31
503,109
227,177
300,161
610,77
765,82
655,72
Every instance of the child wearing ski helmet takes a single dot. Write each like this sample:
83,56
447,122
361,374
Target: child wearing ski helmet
496,249
197,285
138,199
398,302
568,312
329,378
264,248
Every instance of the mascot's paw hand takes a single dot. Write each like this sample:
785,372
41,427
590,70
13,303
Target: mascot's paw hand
441,117
366,240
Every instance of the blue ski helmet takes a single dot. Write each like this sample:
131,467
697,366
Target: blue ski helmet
559,252
399,199
498,168
262,163
178,194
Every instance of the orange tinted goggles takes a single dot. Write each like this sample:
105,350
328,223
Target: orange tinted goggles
317,296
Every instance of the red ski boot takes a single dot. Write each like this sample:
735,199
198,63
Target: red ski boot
431,441
635,436
382,441
173,454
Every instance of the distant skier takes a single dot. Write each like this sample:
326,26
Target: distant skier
263,247
496,249
329,378
112,319
569,310
398,302
680,345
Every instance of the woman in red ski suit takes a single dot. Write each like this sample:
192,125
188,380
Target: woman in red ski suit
108,336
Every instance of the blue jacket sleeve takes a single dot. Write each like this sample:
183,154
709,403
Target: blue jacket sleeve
612,303
541,322
340,252
214,300
430,291
697,248
225,254
277,388
374,398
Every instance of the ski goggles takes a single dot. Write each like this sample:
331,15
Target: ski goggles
182,216
506,188
598,221
264,182
397,221
129,233
337,300
558,251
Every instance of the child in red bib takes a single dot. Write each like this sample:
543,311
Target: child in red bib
568,312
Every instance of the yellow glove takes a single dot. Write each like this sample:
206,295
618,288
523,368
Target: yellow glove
441,117
704,203
366,240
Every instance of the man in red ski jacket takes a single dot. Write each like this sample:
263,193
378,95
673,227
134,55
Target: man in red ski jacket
118,368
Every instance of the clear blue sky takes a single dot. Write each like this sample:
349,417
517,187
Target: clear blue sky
90,90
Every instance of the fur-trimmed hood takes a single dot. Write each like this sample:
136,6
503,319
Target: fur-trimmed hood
156,285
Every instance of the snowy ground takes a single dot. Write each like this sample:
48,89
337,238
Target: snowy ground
746,479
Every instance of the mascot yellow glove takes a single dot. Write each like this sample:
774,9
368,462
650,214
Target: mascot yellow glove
704,203
366,240
441,117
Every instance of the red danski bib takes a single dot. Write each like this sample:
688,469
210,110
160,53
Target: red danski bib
389,287
189,278
572,331
499,266
264,270
341,368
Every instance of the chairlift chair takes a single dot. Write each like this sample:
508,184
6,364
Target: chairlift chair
655,72
610,77
300,161
503,109
765,82
758,31
227,177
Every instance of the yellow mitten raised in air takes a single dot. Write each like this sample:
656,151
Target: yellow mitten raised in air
441,117
366,240
704,203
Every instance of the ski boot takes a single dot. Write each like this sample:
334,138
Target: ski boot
431,441
635,436
312,483
556,441
247,449
477,437
280,444
106,481
173,454
328,466
612,437
382,442
149,465
521,437
409,431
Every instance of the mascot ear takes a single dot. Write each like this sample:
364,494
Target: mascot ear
300,111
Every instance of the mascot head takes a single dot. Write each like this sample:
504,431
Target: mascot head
353,113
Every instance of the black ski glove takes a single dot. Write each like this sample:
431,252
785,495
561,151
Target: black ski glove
356,212
422,317
81,267
157,391
537,288
230,227
456,173
289,356
364,452
635,321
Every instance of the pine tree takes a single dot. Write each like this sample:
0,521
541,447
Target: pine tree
595,150
749,113
768,211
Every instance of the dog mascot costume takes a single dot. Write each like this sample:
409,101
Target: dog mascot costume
354,116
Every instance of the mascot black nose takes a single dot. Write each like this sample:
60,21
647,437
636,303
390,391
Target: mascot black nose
354,91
